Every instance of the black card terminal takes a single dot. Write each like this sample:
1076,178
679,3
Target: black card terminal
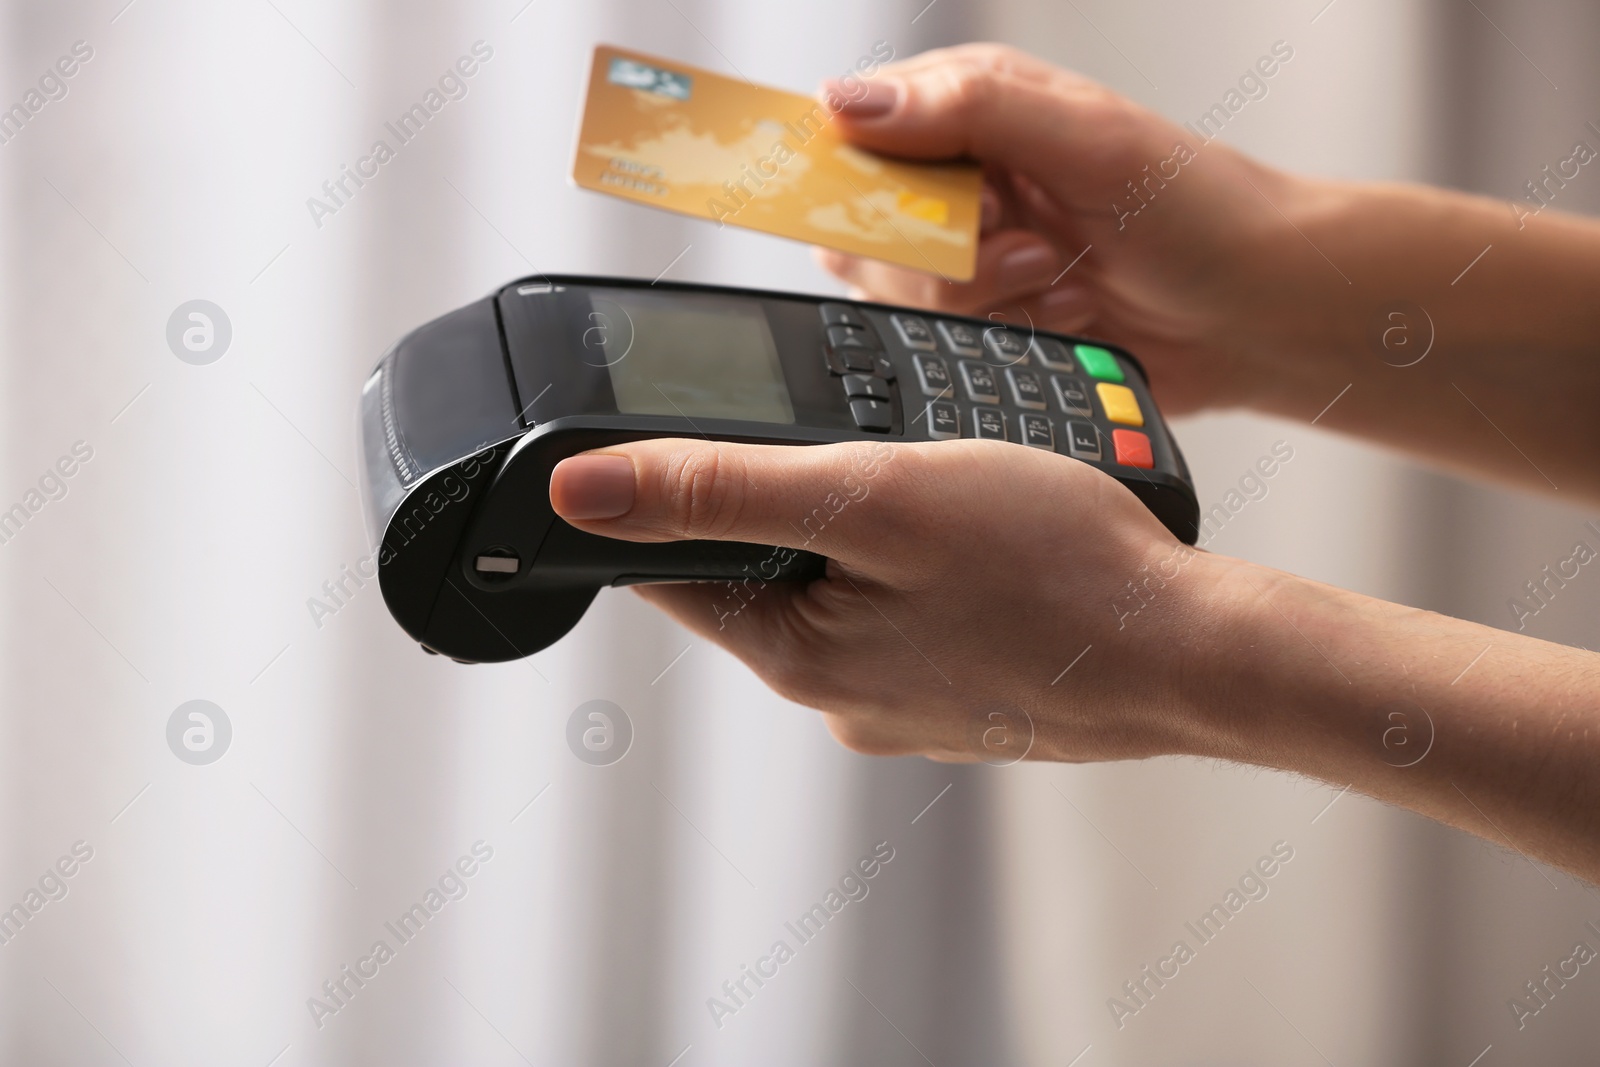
464,418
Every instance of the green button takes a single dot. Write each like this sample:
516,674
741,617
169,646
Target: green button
1098,362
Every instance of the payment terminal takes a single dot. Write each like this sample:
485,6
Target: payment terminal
464,418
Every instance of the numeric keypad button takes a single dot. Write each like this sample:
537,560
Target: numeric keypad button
962,338
944,420
914,332
933,374
1072,395
989,424
1026,392
979,380
1037,431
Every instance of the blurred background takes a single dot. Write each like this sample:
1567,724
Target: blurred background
179,561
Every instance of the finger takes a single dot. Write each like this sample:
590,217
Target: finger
809,498
802,639
952,757
738,618
989,208
1066,307
1011,265
1033,205
999,105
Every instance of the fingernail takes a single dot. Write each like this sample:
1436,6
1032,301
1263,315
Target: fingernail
1067,307
592,487
1063,297
834,262
1028,263
873,100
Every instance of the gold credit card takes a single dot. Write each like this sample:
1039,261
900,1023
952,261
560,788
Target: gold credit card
676,137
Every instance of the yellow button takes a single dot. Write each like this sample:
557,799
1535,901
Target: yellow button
1120,403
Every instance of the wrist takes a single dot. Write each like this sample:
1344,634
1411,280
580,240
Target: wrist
1302,327
1169,678
1151,679
1285,675
1241,663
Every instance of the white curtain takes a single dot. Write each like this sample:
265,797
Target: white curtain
606,905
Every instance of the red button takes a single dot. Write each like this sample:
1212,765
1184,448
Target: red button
1133,448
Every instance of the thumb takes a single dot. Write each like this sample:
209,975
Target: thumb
1001,106
676,490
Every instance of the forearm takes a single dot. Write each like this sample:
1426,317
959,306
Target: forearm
1467,330
1489,731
